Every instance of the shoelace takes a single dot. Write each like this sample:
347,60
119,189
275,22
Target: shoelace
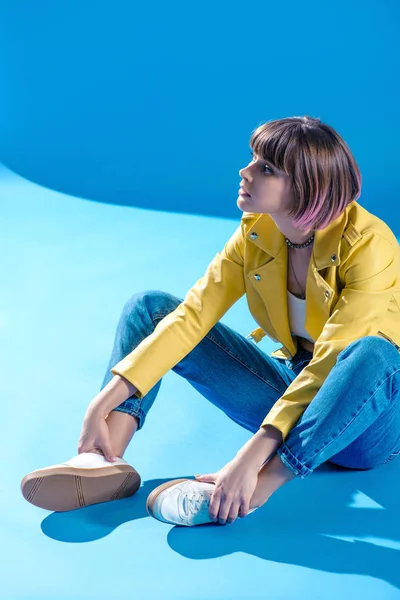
192,504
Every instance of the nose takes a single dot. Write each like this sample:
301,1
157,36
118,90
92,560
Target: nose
244,173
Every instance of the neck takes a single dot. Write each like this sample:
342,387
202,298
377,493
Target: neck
296,236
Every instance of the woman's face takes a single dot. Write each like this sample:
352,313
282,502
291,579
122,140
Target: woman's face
270,189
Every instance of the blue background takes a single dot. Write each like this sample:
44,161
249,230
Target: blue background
122,130
153,104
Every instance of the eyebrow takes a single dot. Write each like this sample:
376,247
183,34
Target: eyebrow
267,162
264,160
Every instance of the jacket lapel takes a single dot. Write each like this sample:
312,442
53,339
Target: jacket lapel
269,275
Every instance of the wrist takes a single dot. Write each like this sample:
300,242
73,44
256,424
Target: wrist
260,447
95,410
270,432
112,395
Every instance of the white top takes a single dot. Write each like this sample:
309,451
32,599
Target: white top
297,316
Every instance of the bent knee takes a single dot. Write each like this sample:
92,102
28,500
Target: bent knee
155,302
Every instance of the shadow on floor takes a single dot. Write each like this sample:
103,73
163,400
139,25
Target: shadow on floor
298,525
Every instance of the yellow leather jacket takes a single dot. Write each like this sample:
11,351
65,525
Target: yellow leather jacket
352,291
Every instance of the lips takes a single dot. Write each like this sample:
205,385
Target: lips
242,189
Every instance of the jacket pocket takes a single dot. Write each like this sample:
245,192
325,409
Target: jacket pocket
386,337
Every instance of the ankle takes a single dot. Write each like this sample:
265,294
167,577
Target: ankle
259,497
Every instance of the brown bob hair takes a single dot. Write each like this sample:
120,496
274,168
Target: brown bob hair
324,173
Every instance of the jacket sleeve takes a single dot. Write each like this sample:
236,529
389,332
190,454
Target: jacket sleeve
371,274
181,330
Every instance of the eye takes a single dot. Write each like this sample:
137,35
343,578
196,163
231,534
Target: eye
265,166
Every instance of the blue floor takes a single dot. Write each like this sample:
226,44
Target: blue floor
68,266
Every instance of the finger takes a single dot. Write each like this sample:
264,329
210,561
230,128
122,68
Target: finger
214,506
224,510
107,451
244,509
233,513
209,478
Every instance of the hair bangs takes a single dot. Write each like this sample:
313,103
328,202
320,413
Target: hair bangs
325,177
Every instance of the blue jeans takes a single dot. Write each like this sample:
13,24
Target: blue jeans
353,420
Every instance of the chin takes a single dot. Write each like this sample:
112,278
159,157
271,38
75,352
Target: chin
242,200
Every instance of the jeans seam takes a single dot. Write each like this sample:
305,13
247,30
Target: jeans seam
355,416
285,454
136,412
248,367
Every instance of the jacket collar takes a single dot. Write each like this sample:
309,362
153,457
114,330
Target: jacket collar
327,242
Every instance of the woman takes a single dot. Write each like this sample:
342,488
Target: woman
321,276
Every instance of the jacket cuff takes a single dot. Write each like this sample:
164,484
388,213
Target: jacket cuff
124,369
278,419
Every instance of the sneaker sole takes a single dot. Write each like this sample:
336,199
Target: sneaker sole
156,492
67,488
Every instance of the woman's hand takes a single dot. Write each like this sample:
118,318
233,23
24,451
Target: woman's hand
95,434
234,488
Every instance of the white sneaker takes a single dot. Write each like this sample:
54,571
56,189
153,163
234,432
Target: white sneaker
85,479
182,502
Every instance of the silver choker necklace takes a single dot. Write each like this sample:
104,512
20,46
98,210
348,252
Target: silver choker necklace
307,243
